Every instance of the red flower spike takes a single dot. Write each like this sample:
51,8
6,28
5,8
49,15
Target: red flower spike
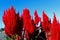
28,26
26,18
45,17
54,29
37,18
46,23
12,22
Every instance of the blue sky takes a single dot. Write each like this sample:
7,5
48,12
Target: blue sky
49,6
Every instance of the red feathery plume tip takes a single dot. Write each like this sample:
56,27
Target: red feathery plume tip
11,21
37,18
46,23
28,23
45,17
54,29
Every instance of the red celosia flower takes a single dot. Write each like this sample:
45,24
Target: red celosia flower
54,29
36,17
12,22
27,20
46,23
9,21
28,23
45,17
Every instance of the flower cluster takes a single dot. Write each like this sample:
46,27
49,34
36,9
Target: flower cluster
25,27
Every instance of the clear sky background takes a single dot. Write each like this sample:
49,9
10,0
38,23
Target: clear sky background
49,6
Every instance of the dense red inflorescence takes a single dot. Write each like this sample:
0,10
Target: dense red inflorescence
12,22
15,23
46,23
54,29
37,19
28,22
